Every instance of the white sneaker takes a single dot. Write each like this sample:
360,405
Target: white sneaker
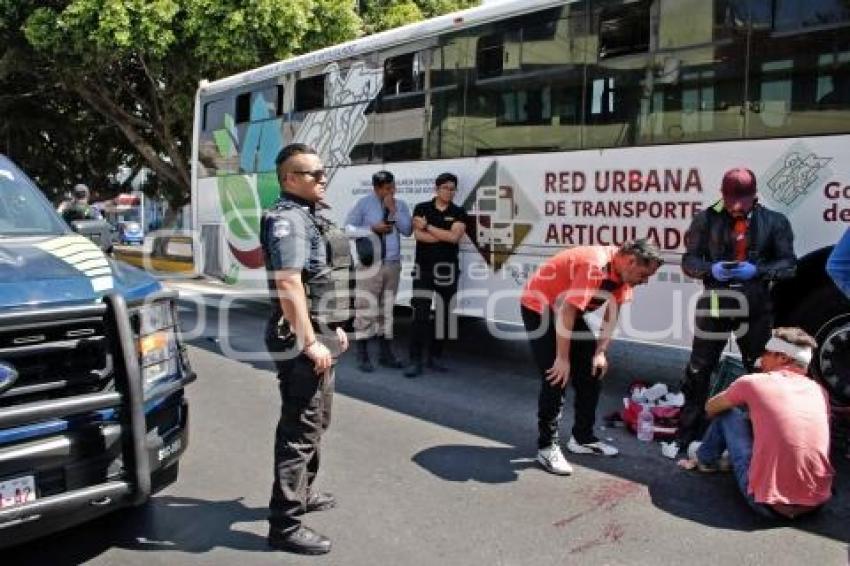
599,448
723,464
692,449
553,461
670,449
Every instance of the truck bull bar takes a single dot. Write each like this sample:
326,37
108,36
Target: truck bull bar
128,399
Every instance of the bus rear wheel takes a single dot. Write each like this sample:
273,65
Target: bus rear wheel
825,315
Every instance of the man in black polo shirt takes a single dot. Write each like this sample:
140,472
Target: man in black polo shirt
438,226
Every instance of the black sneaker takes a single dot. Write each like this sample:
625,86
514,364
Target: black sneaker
302,540
435,365
413,370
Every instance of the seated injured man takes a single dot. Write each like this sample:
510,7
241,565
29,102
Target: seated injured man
775,427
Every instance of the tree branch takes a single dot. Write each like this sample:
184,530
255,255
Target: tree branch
128,125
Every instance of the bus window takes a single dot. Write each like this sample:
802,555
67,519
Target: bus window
445,115
695,94
489,55
531,100
614,104
833,83
796,14
400,118
243,108
213,114
259,105
366,149
685,22
310,93
402,74
798,83
624,29
737,15
217,144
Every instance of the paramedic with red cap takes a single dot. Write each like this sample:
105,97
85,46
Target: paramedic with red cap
737,247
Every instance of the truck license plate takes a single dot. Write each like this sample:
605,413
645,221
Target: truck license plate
17,491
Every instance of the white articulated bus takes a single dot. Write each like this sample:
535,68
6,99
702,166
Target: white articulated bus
568,123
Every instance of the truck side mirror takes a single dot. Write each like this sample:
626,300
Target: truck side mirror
98,231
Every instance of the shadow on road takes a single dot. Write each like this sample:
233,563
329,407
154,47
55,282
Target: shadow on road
166,523
463,463
491,392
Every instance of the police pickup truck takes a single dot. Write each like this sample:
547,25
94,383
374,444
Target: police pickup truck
92,369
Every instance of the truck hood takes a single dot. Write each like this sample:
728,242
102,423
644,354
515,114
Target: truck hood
37,272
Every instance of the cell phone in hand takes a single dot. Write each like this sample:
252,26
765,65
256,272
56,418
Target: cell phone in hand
729,264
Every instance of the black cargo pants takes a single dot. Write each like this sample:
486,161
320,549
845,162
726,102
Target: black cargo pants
306,400
710,338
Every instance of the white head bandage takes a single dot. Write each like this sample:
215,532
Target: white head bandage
802,355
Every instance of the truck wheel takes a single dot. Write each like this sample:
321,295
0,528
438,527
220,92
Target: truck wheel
825,314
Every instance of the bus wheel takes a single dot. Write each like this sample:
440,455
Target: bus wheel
825,314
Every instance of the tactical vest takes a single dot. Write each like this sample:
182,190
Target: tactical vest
327,285
329,297
77,211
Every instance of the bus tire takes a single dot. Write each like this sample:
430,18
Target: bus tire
825,315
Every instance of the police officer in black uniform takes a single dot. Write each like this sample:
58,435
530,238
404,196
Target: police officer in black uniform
308,264
438,226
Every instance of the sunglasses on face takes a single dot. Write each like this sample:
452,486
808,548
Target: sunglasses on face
316,174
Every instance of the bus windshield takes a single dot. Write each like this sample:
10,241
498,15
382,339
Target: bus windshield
24,211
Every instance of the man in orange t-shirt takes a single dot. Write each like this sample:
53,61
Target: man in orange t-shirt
780,455
565,287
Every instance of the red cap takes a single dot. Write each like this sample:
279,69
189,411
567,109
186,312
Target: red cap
739,185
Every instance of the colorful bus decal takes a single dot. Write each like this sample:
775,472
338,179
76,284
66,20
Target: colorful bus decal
247,184
501,217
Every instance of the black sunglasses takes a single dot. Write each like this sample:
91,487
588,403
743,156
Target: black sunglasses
316,174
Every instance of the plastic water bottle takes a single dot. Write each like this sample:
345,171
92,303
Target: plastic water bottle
645,424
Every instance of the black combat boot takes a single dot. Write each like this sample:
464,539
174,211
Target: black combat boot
301,540
363,362
414,369
386,358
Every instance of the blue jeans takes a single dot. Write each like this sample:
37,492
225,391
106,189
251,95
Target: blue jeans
732,431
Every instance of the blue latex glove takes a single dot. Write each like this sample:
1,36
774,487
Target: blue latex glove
719,272
744,272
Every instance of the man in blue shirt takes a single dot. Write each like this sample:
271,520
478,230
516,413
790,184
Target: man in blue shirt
382,219
838,265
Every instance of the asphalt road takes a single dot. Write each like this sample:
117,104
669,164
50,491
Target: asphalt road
436,471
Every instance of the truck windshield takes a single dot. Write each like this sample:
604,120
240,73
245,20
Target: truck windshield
24,211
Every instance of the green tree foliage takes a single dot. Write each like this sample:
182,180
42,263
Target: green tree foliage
122,74
380,15
57,138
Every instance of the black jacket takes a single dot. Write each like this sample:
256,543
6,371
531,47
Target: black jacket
770,245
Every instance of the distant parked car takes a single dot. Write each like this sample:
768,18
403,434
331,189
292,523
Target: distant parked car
131,233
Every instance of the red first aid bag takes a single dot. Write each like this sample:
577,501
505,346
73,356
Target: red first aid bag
666,418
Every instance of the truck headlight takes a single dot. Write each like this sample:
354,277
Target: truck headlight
157,344
155,316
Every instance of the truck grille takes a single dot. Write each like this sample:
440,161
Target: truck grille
56,358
